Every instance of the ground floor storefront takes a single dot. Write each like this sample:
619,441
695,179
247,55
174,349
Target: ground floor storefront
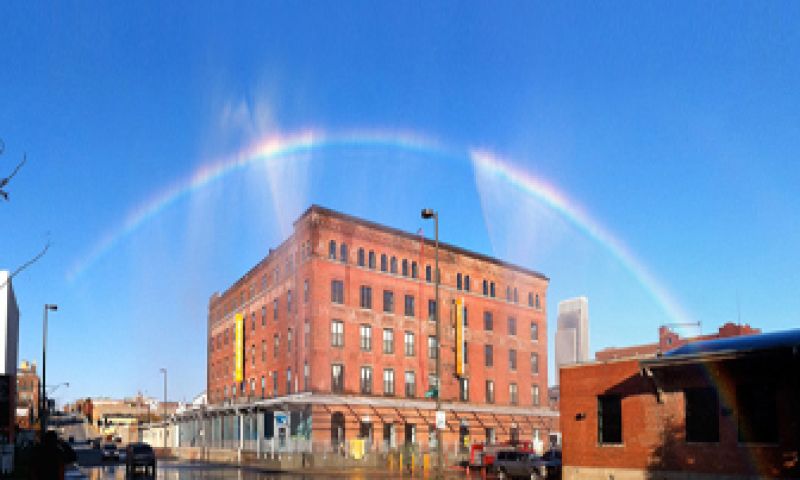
358,426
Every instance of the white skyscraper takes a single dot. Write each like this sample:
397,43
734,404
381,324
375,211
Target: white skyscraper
572,331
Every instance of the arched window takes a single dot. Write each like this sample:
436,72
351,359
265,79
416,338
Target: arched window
537,300
428,276
405,267
332,250
516,295
466,282
343,253
485,287
458,281
530,299
371,259
414,272
393,265
384,262
508,294
360,257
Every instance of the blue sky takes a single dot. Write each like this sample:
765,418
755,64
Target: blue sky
673,125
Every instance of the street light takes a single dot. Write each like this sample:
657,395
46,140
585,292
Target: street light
164,407
428,213
43,411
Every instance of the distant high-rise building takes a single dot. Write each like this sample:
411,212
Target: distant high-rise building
572,331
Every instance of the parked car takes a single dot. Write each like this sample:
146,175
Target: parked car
512,464
140,455
110,452
551,461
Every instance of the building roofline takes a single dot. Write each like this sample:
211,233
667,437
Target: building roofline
314,208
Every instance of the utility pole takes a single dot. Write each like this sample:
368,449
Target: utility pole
43,411
427,214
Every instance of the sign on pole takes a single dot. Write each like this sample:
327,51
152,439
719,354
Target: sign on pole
441,422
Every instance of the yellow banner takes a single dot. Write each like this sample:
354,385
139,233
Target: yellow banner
459,305
238,373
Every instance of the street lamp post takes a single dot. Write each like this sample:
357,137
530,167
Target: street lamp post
43,410
164,407
429,213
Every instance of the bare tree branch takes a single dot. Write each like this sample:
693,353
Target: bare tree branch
4,181
27,264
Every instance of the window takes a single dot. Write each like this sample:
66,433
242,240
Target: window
534,331
757,413
488,356
516,295
463,389
337,291
366,338
275,383
609,419
491,289
409,306
466,321
276,345
343,253
432,350
388,301
366,297
263,316
332,250
289,301
337,378
366,380
535,395
337,333
537,301
508,294
702,415
466,282
411,384
485,287
530,299
384,262
513,395
306,376
263,385
405,267
393,265
263,350
534,363
512,359
414,270
512,326
253,322
371,259
431,309
288,381
466,352
489,391
253,355
408,344
388,381
361,259
388,340
488,321
458,281
275,309
305,291
289,341
428,277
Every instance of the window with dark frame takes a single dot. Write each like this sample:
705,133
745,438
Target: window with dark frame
702,414
409,306
337,291
337,378
488,356
365,297
609,419
366,380
488,321
388,301
361,259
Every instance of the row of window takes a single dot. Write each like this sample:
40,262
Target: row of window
410,385
409,268
756,415
249,387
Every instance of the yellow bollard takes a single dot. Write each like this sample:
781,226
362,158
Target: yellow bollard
400,461
412,463
390,459
426,463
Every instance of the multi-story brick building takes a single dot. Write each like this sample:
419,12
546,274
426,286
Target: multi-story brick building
27,411
339,340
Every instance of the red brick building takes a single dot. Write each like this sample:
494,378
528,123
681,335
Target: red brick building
338,334
717,408
27,409
669,340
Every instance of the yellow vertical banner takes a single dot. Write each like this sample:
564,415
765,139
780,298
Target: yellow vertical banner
459,336
238,373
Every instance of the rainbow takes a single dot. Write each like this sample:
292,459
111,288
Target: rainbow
276,148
